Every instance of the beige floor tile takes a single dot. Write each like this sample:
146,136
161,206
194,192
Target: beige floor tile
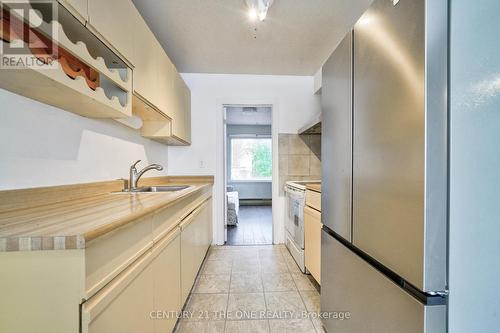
220,255
203,307
311,300
269,265
291,326
291,264
246,265
246,306
217,267
318,325
247,326
248,252
246,283
270,253
278,282
302,281
201,327
288,303
212,284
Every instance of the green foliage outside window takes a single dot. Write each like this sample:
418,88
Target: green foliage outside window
262,161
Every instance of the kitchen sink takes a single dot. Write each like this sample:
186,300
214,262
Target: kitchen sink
150,189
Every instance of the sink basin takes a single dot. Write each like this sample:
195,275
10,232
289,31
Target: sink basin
170,188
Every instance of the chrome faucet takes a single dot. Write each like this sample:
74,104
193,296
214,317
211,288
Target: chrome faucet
135,176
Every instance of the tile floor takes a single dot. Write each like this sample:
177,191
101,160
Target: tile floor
243,289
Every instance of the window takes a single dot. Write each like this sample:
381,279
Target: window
251,159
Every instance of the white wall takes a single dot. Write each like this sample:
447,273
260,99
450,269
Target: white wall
474,304
41,146
293,104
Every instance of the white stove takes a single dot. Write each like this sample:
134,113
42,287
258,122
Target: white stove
294,219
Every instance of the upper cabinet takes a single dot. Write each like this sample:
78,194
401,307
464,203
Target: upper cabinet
181,110
114,21
78,8
162,98
146,60
158,85
108,64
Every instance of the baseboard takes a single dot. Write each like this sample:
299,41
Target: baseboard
255,202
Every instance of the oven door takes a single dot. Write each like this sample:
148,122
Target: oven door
294,222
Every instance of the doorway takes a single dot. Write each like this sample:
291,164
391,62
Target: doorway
248,174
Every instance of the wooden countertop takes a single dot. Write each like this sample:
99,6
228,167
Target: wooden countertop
314,187
66,217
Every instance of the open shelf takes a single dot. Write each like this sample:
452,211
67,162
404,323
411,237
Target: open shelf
155,125
52,86
76,80
80,50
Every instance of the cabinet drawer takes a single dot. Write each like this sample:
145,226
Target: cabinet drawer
313,199
150,284
108,255
125,303
312,242
166,219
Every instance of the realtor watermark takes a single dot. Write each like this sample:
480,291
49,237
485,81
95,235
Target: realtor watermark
27,35
248,315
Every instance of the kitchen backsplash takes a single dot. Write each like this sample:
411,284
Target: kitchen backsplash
299,158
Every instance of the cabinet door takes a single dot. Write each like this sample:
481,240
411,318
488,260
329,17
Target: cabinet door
78,8
181,109
146,63
312,242
167,281
187,113
166,91
125,304
113,21
193,246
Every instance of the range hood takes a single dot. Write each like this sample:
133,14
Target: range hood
313,126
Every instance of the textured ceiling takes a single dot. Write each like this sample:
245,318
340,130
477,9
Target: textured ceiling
216,36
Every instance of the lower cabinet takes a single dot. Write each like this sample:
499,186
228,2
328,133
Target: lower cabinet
124,304
135,278
166,284
312,242
195,239
143,298
147,295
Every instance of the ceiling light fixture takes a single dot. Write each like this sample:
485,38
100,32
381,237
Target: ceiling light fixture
258,9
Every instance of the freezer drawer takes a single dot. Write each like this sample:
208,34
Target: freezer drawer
375,303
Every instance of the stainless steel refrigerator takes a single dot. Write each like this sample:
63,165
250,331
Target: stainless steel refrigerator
384,178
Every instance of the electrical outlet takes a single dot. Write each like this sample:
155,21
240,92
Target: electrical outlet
202,164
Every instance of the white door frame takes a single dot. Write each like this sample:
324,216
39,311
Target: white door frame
219,186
